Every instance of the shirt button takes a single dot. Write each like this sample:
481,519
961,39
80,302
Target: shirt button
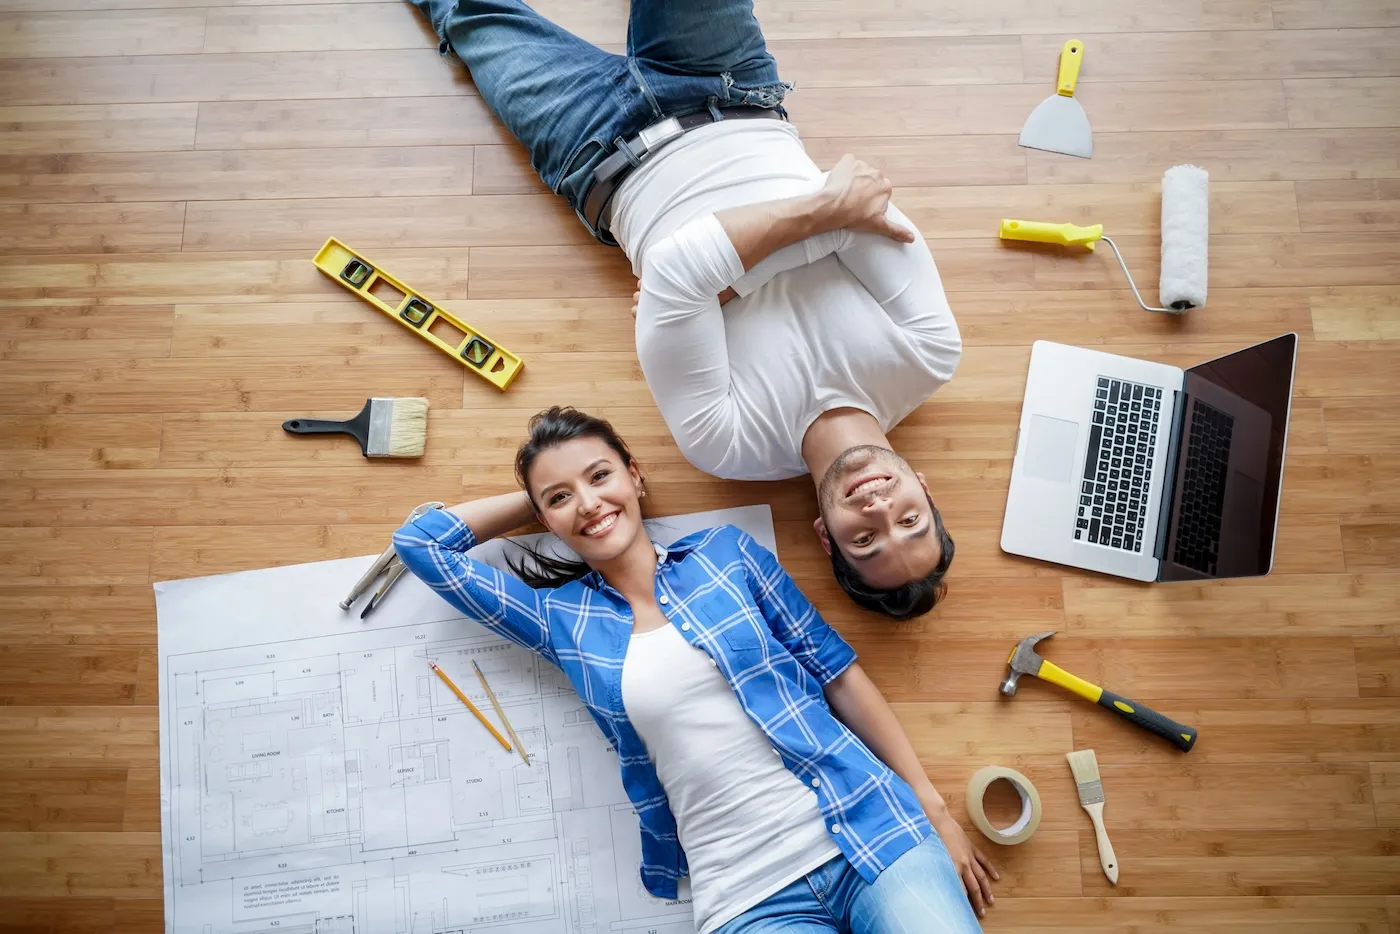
816,783
713,663
685,627
835,828
664,600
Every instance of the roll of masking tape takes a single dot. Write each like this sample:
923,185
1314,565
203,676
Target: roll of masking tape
1024,826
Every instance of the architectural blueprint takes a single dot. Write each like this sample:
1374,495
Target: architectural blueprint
316,778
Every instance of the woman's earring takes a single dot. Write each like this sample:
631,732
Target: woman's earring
642,493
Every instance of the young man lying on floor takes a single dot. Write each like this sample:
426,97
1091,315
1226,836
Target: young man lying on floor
786,320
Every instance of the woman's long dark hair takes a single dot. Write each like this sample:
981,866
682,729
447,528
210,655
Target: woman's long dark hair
549,429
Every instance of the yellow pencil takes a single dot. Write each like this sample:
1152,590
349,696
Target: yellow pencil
470,706
519,746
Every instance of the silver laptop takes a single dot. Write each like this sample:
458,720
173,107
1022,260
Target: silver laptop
1147,471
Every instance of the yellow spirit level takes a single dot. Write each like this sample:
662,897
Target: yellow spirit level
473,350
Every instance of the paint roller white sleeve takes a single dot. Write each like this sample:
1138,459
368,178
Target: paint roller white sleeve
1185,231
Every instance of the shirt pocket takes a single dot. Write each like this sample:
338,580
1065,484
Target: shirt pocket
743,638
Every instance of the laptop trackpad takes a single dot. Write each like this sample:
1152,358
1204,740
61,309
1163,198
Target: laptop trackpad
1050,448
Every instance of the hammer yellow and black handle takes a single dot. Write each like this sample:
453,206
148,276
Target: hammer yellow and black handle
1180,736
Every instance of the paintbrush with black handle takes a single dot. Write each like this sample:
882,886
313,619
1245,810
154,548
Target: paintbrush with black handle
385,427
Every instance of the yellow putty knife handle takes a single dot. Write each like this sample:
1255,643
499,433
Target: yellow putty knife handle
1071,57
1042,232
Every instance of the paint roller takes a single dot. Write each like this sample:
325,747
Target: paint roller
1185,226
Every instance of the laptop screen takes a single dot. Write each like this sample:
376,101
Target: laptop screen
1229,467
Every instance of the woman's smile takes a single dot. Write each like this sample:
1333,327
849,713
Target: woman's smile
602,525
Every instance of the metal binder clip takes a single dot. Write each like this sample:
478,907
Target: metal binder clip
387,565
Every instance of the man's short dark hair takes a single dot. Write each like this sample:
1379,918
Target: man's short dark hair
907,600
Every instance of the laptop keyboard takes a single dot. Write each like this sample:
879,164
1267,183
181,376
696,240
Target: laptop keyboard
1118,466
1203,488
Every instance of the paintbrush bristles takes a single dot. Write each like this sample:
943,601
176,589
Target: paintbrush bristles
1085,766
408,428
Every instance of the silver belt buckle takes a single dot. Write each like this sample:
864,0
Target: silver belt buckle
660,133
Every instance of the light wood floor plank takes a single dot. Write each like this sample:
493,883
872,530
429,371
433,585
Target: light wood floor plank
260,76
142,227
981,109
1355,313
818,63
1371,542
1363,204
455,120
28,388
1269,914
36,676
82,333
55,34
238,175
1310,14
1222,55
1342,102
373,223
306,28
142,812
1378,666
89,614
59,557
785,18
73,441
51,131
1230,155
58,280
1294,604
102,864
21,6
1385,786
345,329
58,800
1200,863
1363,425
78,737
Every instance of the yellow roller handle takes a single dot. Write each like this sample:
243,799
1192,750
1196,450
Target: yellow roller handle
1057,675
1071,57
1042,232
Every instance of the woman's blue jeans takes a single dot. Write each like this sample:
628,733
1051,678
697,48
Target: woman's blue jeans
568,101
920,894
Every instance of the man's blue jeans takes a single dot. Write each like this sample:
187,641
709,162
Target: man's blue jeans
568,101
920,894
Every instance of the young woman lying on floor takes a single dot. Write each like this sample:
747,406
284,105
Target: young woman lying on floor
761,759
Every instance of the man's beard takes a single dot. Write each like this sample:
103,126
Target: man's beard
828,490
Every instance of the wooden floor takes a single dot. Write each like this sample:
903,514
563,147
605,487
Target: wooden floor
168,168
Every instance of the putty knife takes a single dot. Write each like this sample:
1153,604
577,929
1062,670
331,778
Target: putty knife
1059,124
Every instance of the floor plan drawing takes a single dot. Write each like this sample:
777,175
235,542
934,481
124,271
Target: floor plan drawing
318,779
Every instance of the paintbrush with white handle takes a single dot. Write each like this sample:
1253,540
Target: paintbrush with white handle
1085,767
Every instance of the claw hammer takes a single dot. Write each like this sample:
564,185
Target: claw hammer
1025,660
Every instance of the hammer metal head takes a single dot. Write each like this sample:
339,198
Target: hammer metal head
1023,661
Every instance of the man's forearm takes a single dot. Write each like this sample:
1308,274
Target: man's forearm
864,710
758,230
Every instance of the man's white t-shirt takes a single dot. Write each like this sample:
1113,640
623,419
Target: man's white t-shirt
841,320
748,826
